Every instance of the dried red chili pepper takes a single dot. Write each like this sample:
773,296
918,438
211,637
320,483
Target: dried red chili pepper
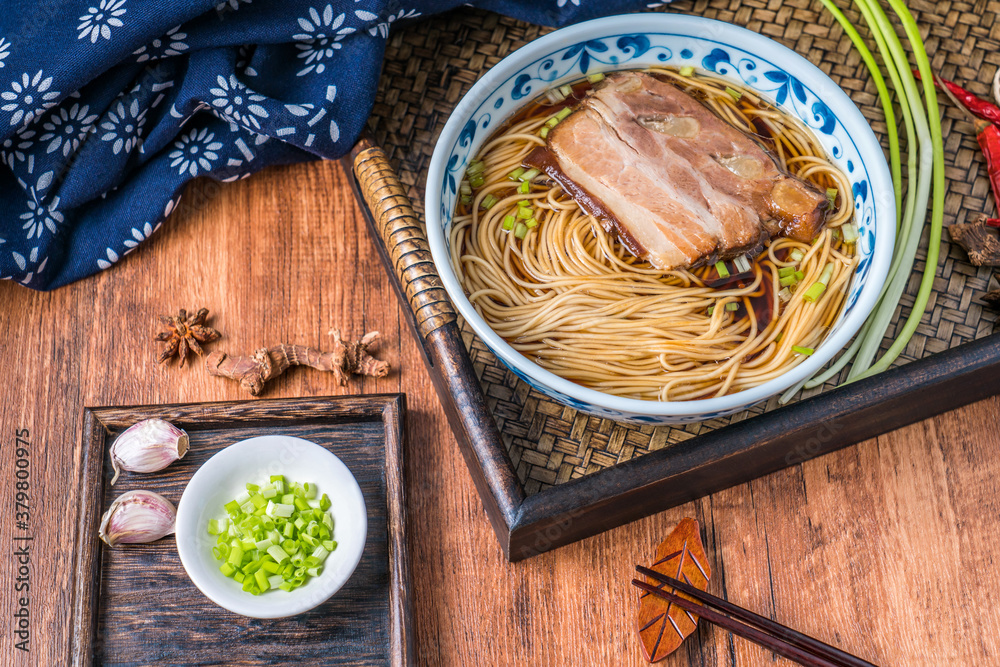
989,143
976,105
987,134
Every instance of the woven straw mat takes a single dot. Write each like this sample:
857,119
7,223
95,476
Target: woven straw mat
432,63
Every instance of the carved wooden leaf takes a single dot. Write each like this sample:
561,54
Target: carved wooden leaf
663,625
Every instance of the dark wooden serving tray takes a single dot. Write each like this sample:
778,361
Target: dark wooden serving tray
135,604
549,475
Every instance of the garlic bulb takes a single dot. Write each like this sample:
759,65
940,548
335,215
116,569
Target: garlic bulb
148,446
137,516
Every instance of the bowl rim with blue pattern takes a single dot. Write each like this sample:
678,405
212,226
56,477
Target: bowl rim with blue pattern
633,41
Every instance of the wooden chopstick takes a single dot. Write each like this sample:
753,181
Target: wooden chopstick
774,644
789,635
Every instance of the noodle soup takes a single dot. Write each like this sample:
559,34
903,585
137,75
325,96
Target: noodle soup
564,291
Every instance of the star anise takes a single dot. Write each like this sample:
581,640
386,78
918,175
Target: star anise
185,333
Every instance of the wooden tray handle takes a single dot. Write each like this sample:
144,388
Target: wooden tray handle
403,249
403,236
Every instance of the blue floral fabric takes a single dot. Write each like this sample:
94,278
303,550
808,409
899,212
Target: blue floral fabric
108,107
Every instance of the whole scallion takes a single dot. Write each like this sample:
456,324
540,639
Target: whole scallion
922,177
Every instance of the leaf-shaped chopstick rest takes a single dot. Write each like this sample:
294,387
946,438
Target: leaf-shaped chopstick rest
663,625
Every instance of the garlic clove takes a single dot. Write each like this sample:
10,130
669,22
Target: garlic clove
148,446
137,516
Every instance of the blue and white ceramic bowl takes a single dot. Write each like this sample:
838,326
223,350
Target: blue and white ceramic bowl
636,41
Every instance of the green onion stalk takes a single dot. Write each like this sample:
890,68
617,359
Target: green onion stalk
923,176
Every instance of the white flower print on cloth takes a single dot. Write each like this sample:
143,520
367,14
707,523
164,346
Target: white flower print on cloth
66,129
383,27
231,5
195,150
140,234
171,44
28,97
237,102
243,60
321,37
15,148
112,258
124,126
23,263
39,217
99,20
4,51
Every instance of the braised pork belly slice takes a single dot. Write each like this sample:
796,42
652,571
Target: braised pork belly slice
681,187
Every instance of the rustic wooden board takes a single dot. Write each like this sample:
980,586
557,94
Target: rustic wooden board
135,604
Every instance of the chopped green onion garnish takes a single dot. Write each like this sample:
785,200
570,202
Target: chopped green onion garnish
525,212
786,271
827,273
530,174
711,309
552,122
735,94
261,577
532,223
850,233
781,334
477,181
487,203
475,167
796,255
263,544
554,96
831,195
799,275
788,280
520,230
544,132
524,188
466,199
732,306
721,268
687,71
465,188
566,90
594,78
524,202
785,295
565,111
508,222
516,174
742,264
814,292
802,350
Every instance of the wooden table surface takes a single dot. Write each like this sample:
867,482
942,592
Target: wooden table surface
887,548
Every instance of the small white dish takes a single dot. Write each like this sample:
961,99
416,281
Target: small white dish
225,475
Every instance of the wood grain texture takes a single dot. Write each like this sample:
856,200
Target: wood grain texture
143,609
843,547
